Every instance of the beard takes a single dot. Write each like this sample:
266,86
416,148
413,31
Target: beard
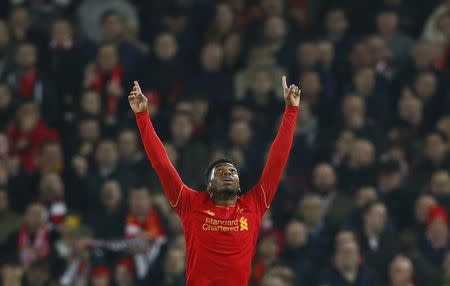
229,191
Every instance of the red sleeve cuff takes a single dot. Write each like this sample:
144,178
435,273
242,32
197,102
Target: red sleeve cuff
292,108
141,114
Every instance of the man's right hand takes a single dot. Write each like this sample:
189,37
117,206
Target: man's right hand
137,99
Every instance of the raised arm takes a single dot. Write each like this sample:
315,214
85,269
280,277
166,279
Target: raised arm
281,146
168,176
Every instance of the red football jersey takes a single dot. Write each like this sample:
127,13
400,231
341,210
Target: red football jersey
220,240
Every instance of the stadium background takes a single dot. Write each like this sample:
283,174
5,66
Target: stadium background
365,196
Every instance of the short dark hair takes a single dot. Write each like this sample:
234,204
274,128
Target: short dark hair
216,163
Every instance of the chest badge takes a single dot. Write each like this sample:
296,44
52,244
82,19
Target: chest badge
209,212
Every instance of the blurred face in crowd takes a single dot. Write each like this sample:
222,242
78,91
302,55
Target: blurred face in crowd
443,125
212,57
34,217
112,27
128,144
436,147
273,280
354,110
172,153
181,129
387,23
28,116
102,280
343,237
344,142
275,29
423,204
296,234
311,210
324,178
261,84
106,154
437,233
284,272
362,154
165,46
91,103
240,133
107,57
4,145
51,187
307,55
410,110
389,181
200,108
4,204
123,276
364,196
232,48
111,195
140,202
440,183
425,85
62,31
4,35
273,7
26,56
224,17
51,157
175,262
336,21
326,52
310,83
421,55
347,257
89,130
364,81
19,21
268,248
400,271
375,219
361,55
5,96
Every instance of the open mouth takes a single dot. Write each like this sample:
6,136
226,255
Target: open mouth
228,180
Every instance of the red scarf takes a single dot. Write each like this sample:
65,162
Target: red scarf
27,82
152,225
99,86
40,243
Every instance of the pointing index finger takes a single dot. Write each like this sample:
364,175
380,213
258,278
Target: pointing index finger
283,82
138,88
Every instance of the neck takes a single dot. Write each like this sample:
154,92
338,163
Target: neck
223,198
371,233
350,274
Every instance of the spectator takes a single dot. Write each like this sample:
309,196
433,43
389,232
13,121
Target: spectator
336,204
173,270
401,272
398,43
108,222
107,78
100,276
437,236
51,195
5,49
376,241
27,83
7,105
28,134
9,220
90,16
346,269
124,273
143,221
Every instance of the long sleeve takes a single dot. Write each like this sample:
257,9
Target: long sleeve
265,189
168,176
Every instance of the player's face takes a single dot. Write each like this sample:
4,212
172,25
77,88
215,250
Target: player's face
224,177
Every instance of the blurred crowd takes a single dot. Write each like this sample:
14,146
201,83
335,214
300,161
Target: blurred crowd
365,198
